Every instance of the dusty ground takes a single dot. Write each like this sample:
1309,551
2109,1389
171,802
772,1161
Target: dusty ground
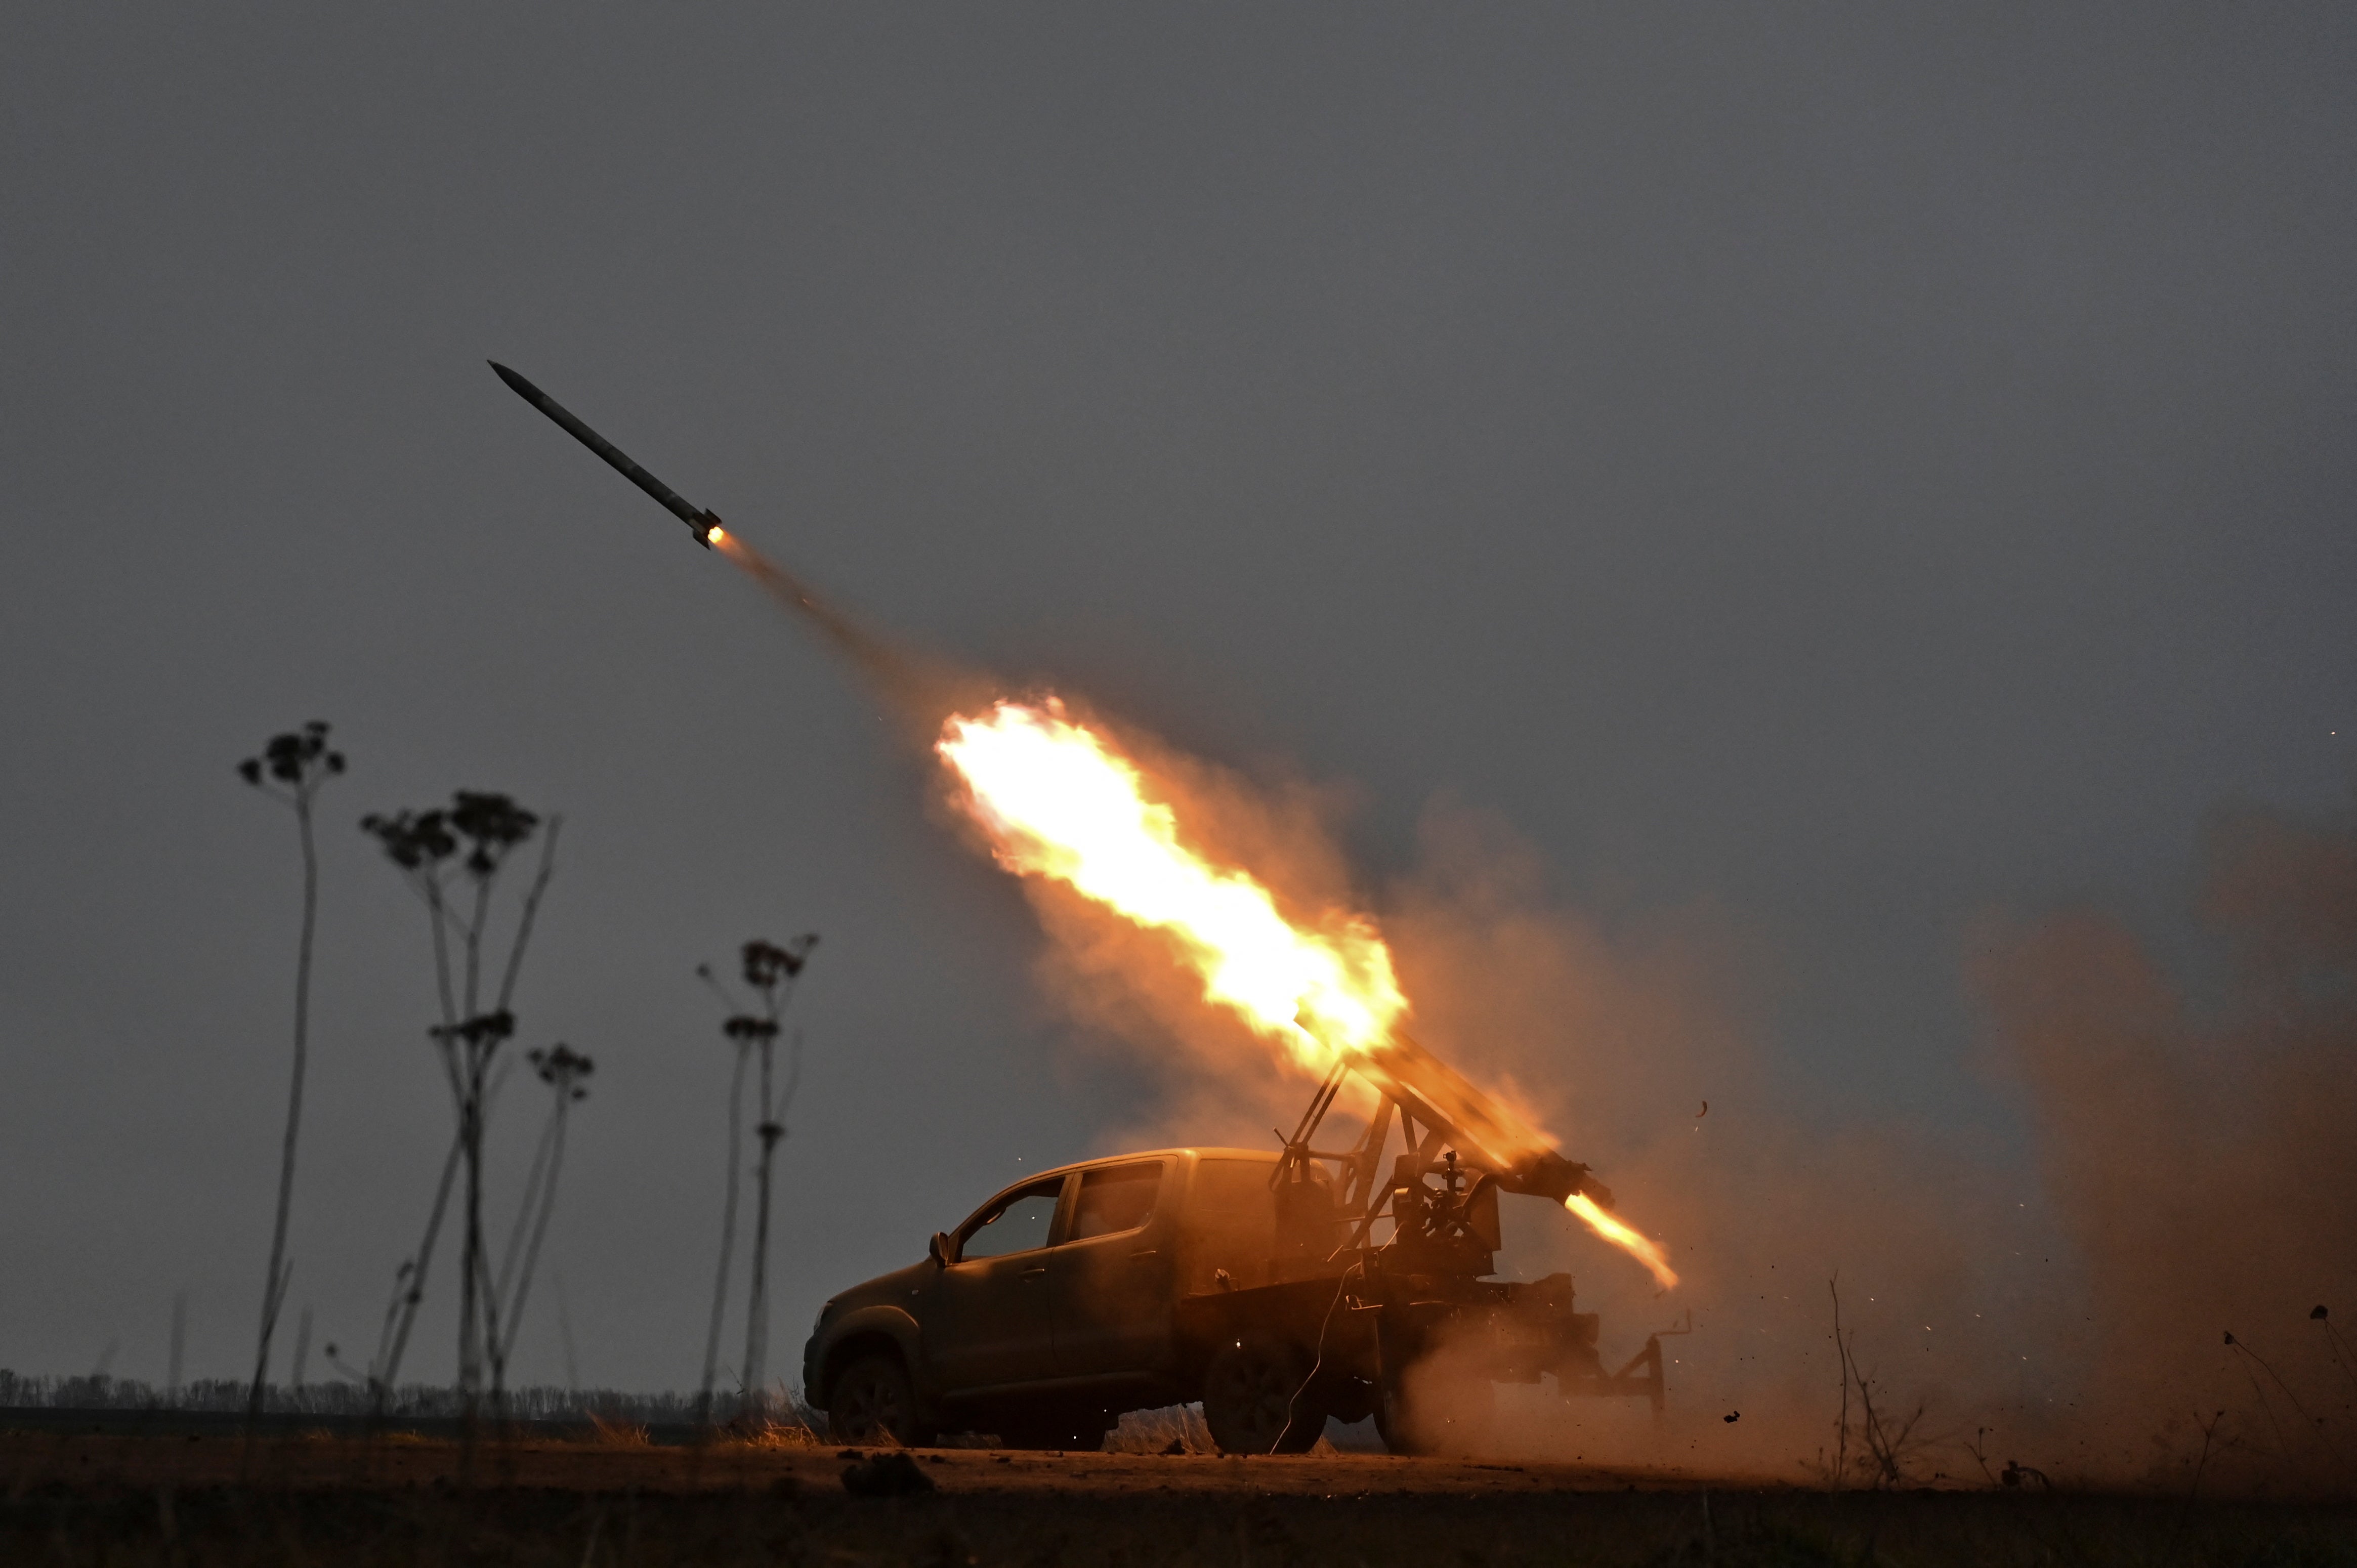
32,1461
103,1499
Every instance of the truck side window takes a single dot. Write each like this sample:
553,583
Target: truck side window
1115,1199
1017,1223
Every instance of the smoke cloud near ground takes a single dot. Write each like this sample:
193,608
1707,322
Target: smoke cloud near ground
2193,1169
2201,1150
1617,1036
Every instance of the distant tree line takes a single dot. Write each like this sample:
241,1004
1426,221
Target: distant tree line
99,1392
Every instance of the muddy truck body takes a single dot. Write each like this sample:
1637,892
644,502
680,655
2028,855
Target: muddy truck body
1278,1288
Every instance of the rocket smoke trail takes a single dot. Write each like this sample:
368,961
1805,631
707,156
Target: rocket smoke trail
917,687
907,681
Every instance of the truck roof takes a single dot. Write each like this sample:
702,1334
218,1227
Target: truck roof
1199,1151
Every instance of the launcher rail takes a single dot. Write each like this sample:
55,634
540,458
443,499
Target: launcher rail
1460,1149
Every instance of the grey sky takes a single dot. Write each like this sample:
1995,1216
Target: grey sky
1858,465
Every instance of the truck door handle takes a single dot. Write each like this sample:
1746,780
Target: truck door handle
1035,1274
1146,1252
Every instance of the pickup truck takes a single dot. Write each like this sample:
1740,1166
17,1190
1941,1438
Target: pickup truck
1232,1276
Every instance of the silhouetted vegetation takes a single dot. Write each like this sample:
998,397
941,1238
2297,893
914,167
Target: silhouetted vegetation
290,770
1873,1445
452,857
563,1068
772,972
742,1040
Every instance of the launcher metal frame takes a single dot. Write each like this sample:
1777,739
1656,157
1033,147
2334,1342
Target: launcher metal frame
1445,1231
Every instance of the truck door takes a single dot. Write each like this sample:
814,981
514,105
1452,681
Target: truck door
1231,1224
987,1318
1112,1276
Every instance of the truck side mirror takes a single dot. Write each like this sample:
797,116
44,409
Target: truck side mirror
942,1250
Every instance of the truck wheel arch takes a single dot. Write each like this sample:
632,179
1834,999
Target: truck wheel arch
877,1330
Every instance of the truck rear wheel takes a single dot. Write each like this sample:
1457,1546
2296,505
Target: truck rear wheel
1256,1399
872,1401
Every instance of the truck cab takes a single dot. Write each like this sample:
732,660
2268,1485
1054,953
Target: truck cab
1048,1310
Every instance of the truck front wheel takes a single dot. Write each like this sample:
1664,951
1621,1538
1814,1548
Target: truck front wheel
1256,1399
873,1400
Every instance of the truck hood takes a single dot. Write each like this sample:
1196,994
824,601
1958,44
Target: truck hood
895,1289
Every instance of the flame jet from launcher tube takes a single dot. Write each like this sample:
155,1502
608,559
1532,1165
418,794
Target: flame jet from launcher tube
913,689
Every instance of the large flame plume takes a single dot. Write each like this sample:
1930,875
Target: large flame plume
1058,800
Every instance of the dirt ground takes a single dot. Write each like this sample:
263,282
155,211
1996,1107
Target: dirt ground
84,1498
31,1461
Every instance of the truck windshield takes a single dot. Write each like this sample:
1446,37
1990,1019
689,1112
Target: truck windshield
1116,1199
1018,1224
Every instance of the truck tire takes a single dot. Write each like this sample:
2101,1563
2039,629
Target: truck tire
872,1401
1456,1418
1256,1399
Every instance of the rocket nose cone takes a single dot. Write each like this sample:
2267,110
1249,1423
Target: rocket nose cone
516,383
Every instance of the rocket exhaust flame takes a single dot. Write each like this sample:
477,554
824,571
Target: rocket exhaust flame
1057,799
1640,1248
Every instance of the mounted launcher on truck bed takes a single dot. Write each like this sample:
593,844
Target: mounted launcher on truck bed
1277,1289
